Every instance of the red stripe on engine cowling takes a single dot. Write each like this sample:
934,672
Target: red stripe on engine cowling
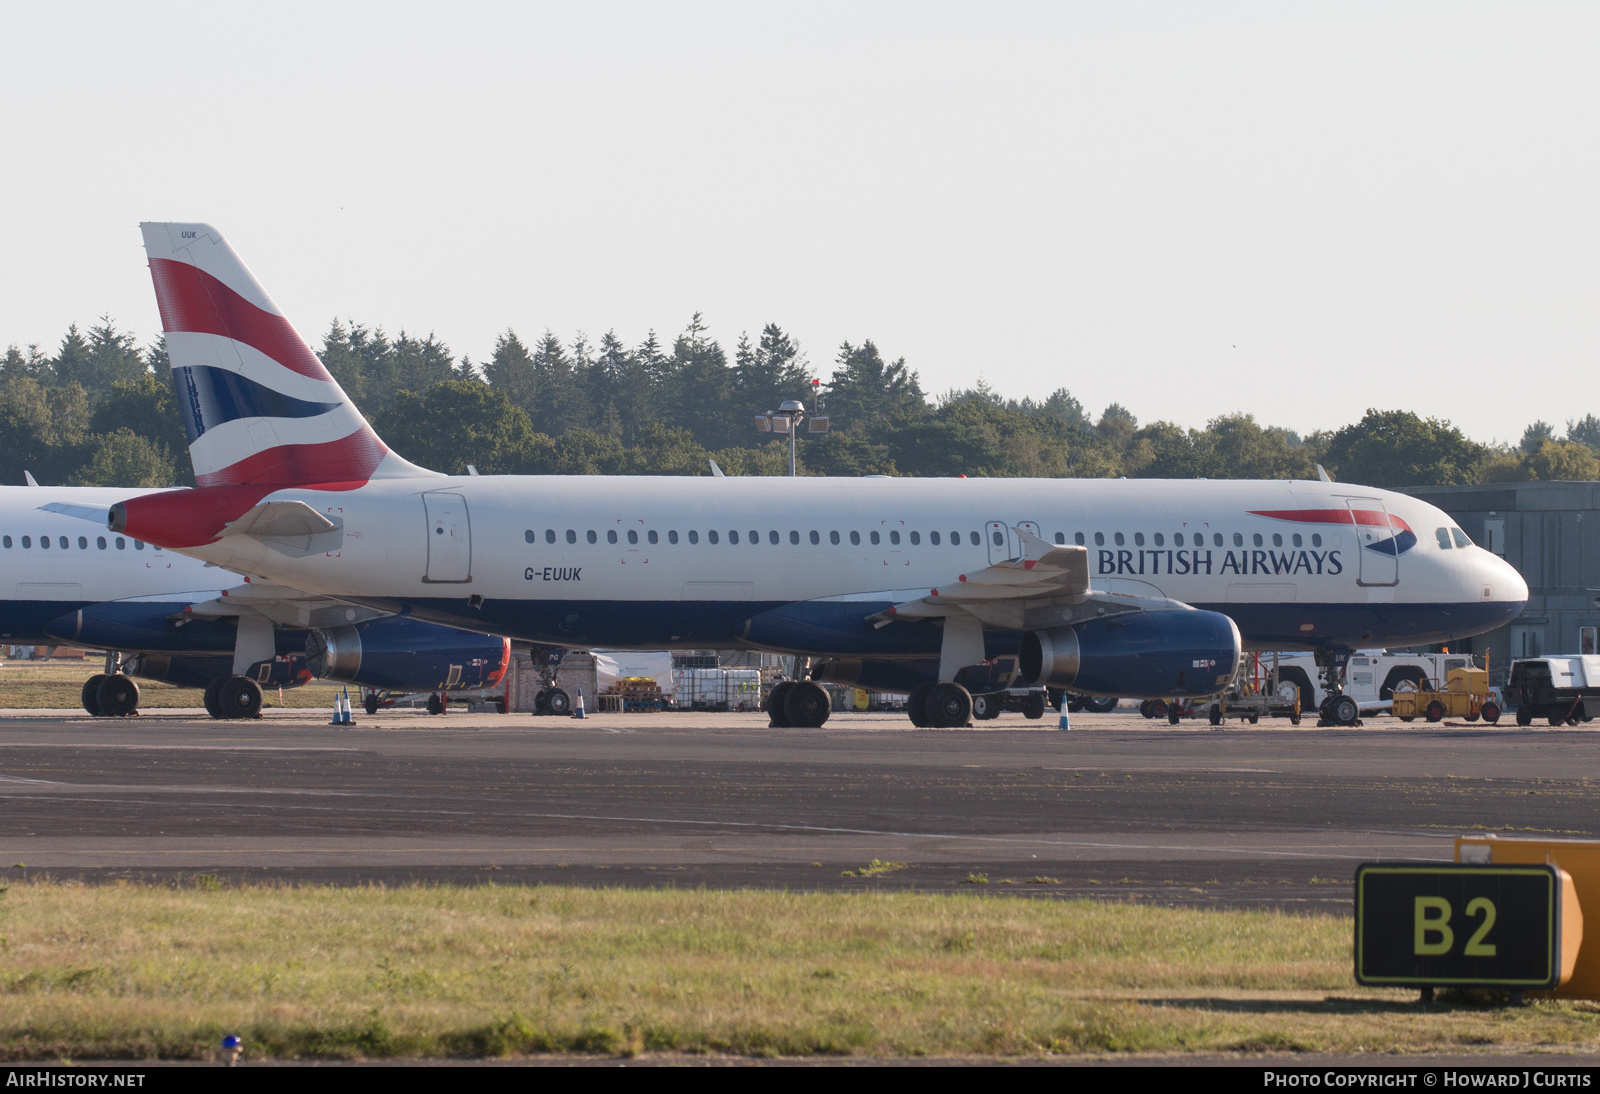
194,302
348,460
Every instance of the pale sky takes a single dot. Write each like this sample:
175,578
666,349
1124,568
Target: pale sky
1294,210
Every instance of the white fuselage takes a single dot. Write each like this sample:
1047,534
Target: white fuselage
630,561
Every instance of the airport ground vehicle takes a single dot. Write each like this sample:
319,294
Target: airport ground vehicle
1558,689
1138,588
1031,703
1371,676
1465,694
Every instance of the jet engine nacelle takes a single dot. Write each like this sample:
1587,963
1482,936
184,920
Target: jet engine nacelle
1140,655
397,654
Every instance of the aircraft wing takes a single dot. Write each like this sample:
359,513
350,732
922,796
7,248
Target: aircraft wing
1048,584
283,606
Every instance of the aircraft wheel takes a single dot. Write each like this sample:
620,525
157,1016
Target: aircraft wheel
117,695
948,706
210,700
1033,707
1556,719
1473,717
1174,714
239,697
541,701
369,703
1524,716
1255,719
777,712
90,695
1491,713
435,704
1435,711
1215,715
1412,718
1345,711
917,705
807,705
984,707
1074,703
558,702
1102,705
499,705
1144,709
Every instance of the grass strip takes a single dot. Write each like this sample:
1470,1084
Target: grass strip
140,971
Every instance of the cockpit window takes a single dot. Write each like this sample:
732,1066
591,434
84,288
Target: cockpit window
1462,539
1443,536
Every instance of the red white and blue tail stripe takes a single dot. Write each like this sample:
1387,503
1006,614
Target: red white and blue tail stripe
258,406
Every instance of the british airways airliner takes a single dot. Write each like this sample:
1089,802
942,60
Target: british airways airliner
937,586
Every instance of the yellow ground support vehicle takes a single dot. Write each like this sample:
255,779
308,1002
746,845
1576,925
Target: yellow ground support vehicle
1465,695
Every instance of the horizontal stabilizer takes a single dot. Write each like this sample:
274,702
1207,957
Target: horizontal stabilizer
280,518
100,514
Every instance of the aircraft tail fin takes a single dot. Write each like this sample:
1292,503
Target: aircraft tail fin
258,407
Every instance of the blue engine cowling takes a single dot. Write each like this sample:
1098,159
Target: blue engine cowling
399,654
1140,655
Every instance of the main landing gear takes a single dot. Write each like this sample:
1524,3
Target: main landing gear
939,706
798,704
110,694
233,697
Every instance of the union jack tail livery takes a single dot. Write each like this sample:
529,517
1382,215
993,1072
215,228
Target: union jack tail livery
258,407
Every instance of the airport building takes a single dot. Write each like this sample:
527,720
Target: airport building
1550,531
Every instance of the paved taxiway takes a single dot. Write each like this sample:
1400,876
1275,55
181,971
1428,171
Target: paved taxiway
1120,807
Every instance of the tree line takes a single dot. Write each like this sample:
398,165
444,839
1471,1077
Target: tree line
100,411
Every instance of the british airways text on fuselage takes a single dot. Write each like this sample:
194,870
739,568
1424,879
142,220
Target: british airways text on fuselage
1126,563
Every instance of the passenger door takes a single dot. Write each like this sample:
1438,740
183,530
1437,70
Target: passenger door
1377,545
1002,541
449,538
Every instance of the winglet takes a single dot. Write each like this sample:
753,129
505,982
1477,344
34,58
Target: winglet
28,476
717,471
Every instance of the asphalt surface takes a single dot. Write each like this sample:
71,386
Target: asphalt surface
1118,808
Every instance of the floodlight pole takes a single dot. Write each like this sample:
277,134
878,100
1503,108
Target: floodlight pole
791,412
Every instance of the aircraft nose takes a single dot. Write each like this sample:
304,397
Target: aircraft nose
1501,583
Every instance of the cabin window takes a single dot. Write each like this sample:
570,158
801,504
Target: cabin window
733,537
1316,539
1099,539
7,541
1119,539
1238,539
672,537
44,541
815,539
955,539
794,538
999,540
138,545
874,538
855,539
63,542
894,538
1296,539
1256,539
528,535
1077,537
694,537
833,538
977,541
1277,539
652,537
1462,539
1061,537
916,538
1138,539
122,544
572,537
611,535
26,542
711,536
772,536
99,541
83,543
933,538
633,535
1160,540
591,536
549,535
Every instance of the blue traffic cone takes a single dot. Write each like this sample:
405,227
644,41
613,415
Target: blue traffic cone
577,709
1064,723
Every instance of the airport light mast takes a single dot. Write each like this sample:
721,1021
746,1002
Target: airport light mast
787,418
